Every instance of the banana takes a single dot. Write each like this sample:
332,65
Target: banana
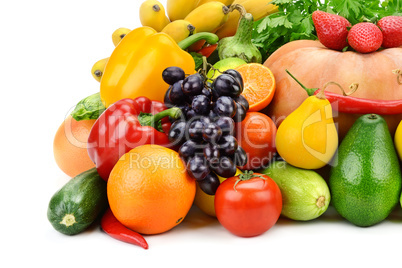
258,8
225,2
119,34
208,17
152,14
179,9
179,30
98,68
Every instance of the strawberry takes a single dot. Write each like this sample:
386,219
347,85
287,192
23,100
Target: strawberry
365,37
331,29
391,27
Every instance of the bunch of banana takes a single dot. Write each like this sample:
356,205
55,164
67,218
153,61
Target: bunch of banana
185,17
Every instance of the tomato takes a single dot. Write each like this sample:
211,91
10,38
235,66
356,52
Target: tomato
256,135
249,204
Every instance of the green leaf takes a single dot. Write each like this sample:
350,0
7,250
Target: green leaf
89,108
197,59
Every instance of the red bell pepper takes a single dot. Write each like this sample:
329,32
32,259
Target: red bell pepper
124,125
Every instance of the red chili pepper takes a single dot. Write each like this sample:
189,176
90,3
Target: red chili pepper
124,125
118,231
348,104
208,50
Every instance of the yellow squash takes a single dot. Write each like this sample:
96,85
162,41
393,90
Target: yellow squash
308,138
135,67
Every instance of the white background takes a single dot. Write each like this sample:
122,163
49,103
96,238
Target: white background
47,51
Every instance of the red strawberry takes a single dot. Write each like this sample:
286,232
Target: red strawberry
365,37
391,27
331,29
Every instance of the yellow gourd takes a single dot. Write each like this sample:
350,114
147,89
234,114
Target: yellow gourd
308,138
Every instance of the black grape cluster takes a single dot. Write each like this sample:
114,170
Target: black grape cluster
206,131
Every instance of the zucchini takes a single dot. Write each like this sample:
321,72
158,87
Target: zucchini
78,203
305,194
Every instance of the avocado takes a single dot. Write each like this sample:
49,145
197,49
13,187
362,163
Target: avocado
365,179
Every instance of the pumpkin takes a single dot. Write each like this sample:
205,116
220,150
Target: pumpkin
314,65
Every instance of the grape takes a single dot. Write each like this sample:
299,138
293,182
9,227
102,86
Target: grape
197,167
207,92
227,85
195,130
224,168
225,106
201,104
228,145
166,99
211,133
205,120
177,133
214,94
212,115
240,113
236,76
172,74
176,95
211,153
193,85
190,113
209,184
240,157
243,101
226,124
189,149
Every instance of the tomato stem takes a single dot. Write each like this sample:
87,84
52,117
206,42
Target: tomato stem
247,175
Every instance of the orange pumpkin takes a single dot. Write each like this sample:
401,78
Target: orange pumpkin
314,65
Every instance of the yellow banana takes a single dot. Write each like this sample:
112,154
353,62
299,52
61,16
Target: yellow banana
258,8
179,30
119,34
225,2
208,17
152,14
179,9
98,68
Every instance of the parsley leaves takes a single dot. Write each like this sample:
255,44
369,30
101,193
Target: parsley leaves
293,20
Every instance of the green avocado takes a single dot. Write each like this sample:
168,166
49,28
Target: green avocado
365,179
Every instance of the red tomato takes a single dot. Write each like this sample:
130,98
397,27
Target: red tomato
249,208
256,135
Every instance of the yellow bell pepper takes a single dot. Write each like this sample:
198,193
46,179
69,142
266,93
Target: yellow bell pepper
135,66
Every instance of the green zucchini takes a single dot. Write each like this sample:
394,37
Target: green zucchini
78,203
305,194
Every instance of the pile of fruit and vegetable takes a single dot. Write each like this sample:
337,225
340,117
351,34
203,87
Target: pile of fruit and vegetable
249,109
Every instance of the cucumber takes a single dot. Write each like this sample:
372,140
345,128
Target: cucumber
305,194
78,203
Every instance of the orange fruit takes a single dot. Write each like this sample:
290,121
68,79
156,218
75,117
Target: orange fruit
70,146
259,85
149,189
